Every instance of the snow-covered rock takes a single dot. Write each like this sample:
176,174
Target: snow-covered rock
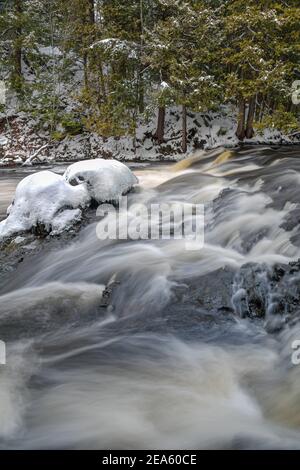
105,180
44,198
56,202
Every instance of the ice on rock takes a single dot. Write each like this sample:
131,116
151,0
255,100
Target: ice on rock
105,180
56,201
44,198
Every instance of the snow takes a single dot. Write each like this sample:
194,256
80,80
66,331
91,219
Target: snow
105,180
50,51
56,202
44,198
206,130
3,140
2,92
117,46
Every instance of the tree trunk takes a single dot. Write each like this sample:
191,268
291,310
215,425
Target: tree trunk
85,70
262,109
259,99
91,11
89,20
249,127
184,129
141,93
240,132
16,77
102,82
140,67
160,130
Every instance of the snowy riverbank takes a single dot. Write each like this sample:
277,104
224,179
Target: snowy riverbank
21,143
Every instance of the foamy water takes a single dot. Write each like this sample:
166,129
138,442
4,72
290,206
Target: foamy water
146,371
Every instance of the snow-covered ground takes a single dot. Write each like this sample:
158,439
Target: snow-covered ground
19,140
55,203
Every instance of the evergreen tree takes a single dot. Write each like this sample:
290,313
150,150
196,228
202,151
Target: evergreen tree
184,58
150,54
258,57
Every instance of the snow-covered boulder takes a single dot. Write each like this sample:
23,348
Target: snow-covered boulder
44,198
105,180
55,202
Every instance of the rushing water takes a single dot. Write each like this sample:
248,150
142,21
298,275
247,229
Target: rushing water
178,355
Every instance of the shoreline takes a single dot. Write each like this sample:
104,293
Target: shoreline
168,159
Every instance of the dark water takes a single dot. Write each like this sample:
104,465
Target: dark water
7,189
187,349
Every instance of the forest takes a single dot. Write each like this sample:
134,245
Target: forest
102,66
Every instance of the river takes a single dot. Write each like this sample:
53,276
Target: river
187,348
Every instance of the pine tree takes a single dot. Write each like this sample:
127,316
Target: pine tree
178,43
257,56
143,55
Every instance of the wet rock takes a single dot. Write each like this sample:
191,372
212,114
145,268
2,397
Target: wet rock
108,292
272,293
211,292
25,248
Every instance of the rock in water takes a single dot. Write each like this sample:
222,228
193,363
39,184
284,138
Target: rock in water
50,203
105,180
44,199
